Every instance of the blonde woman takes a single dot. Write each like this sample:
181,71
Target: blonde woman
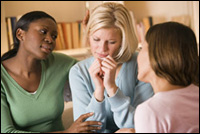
107,83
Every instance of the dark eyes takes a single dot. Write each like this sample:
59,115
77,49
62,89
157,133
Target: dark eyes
54,37
44,32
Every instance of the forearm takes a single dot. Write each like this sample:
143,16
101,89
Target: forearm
99,95
123,111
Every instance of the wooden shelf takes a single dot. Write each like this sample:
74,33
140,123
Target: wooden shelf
79,53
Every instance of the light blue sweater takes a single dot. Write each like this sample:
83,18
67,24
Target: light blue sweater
114,112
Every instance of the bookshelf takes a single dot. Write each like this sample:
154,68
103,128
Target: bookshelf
79,53
62,11
73,11
162,11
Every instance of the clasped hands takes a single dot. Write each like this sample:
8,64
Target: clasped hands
102,72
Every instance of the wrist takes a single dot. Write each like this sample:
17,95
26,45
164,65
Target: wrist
112,91
99,95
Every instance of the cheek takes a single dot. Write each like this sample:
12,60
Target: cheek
93,47
113,50
143,67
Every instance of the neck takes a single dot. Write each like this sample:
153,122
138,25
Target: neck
25,65
161,85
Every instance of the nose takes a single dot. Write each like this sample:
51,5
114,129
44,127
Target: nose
103,46
48,39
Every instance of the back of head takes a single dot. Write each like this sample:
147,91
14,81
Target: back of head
108,15
173,53
23,23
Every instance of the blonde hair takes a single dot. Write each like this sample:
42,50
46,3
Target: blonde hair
108,15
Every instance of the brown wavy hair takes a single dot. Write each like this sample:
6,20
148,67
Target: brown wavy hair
173,53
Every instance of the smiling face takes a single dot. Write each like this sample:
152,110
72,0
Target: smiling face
39,40
104,42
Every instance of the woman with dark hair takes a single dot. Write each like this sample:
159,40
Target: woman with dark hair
169,61
33,79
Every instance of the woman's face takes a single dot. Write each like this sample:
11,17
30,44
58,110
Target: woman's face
144,67
104,42
40,39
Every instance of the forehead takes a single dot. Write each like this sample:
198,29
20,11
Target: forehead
46,22
107,32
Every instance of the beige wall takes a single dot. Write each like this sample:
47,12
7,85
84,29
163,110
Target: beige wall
195,15
75,10
60,10
166,10
158,8
4,42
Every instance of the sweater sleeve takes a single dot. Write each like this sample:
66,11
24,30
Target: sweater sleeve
83,98
123,110
7,125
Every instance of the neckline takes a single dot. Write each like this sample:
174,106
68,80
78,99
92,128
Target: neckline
22,90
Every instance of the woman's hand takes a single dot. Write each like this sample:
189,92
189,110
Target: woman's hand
109,67
96,75
86,19
81,126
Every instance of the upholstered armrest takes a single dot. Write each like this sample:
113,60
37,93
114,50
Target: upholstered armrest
67,116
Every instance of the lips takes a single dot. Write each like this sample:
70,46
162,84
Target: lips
101,56
46,48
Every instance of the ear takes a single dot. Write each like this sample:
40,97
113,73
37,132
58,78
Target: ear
20,34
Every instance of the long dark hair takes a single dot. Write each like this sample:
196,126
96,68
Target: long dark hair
23,24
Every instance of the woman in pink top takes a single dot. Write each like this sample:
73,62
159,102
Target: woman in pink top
169,61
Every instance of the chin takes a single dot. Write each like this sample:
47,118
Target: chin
140,78
44,56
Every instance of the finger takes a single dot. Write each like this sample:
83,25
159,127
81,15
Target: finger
96,70
88,123
108,65
87,15
84,116
110,60
86,18
97,62
87,132
95,65
89,128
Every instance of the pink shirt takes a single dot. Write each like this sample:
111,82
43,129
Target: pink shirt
175,111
